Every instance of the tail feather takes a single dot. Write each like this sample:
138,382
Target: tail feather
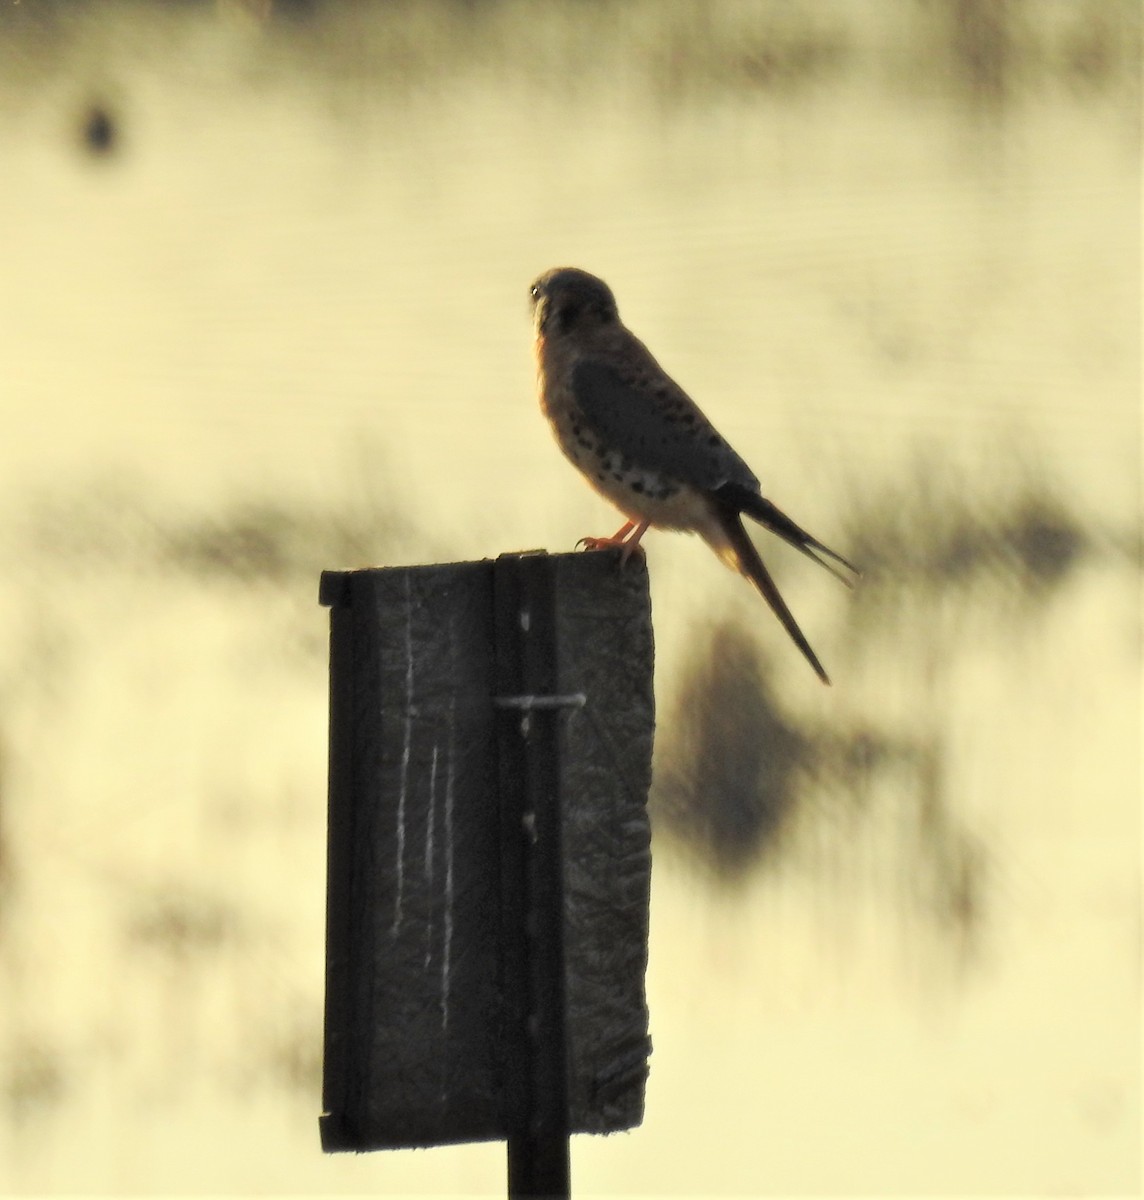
749,562
773,518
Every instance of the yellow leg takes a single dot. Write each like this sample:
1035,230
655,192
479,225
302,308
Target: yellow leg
633,543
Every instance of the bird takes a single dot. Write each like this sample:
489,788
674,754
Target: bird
646,446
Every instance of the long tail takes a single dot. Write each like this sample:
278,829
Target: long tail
747,559
773,518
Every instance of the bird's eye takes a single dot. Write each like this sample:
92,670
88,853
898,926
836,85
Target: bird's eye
534,292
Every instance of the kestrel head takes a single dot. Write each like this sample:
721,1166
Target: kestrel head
566,299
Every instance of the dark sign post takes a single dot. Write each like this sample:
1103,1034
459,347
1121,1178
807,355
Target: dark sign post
488,861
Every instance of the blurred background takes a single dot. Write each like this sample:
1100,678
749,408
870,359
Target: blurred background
264,311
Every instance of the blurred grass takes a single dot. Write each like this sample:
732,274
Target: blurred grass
947,559
677,50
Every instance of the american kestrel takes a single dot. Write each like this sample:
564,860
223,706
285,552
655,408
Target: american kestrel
644,444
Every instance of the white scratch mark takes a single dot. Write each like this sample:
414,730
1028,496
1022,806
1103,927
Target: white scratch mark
445,955
405,750
429,853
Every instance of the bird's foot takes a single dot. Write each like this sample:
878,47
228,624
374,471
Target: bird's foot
627,549
624,540
599,543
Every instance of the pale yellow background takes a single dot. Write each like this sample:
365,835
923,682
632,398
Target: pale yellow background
893,250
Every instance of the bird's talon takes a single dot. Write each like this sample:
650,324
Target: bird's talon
599,543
